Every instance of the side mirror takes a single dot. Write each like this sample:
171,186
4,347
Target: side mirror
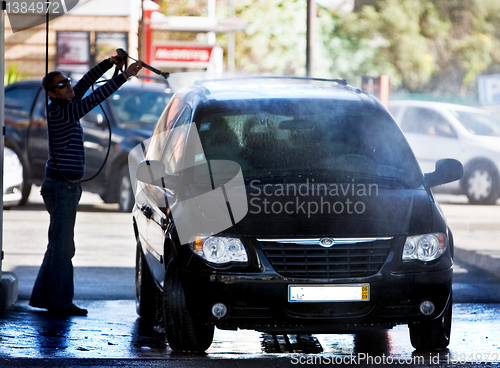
447,170
153,172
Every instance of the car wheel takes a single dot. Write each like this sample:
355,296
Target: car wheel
26,191
481,184
126,195
185,329
145,288
432,335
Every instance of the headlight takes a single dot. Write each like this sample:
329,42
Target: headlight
220,250
426,247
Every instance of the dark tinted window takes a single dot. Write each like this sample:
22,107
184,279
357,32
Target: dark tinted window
299,136
139,106
39,111
20,97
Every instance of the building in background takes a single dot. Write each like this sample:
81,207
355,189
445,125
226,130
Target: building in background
85,35
94,29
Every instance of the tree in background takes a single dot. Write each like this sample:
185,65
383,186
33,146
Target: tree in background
349,50
275,40
423,45
184,7
13,75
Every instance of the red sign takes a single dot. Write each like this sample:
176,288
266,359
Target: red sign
182,53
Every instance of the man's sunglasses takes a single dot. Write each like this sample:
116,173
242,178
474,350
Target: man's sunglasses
62,84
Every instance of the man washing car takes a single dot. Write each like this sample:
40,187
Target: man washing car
61,190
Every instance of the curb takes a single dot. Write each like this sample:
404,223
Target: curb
480,260
474,226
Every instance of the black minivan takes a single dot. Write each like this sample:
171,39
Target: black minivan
295,206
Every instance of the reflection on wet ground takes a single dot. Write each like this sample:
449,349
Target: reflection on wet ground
109,331
112,330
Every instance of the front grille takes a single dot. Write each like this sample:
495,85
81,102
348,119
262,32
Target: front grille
309,260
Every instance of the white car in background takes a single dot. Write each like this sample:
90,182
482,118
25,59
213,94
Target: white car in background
438,130
12,178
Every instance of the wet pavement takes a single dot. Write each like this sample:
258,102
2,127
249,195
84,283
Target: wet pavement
112,330
113,335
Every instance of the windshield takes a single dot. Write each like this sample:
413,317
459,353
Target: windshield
479,124
320,139
133,106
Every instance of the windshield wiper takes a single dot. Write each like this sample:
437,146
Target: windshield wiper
385,179
302,174
334,175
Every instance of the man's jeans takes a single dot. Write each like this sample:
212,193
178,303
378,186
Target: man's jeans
53,287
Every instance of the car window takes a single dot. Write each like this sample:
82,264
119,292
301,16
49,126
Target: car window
479,124
138,106
20,98
394,110
174,149
162,129
39,112
426,121
322,138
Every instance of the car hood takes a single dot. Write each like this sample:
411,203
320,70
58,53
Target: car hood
386,212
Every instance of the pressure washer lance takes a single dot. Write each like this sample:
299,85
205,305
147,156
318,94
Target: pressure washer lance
123,54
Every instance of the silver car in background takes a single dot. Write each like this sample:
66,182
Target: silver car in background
438,130
12,178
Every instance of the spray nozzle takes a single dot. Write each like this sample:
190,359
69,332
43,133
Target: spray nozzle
123,54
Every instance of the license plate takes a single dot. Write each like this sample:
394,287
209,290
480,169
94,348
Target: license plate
329,293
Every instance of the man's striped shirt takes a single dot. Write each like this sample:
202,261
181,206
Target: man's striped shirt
66,150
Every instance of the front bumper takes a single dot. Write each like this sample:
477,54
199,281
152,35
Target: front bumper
260,302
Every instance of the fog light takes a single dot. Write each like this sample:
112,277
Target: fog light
219,310
427,308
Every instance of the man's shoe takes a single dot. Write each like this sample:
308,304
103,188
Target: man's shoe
72,310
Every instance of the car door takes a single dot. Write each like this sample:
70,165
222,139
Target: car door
19,101
96,125
430,135
151,218
37,140
160,197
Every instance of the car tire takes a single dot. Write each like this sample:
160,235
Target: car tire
186,331
26,191
482,184
432,335
146,293
126,195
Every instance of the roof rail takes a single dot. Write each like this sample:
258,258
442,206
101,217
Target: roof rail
342,82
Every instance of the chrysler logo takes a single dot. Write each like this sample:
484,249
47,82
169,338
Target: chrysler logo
326,242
